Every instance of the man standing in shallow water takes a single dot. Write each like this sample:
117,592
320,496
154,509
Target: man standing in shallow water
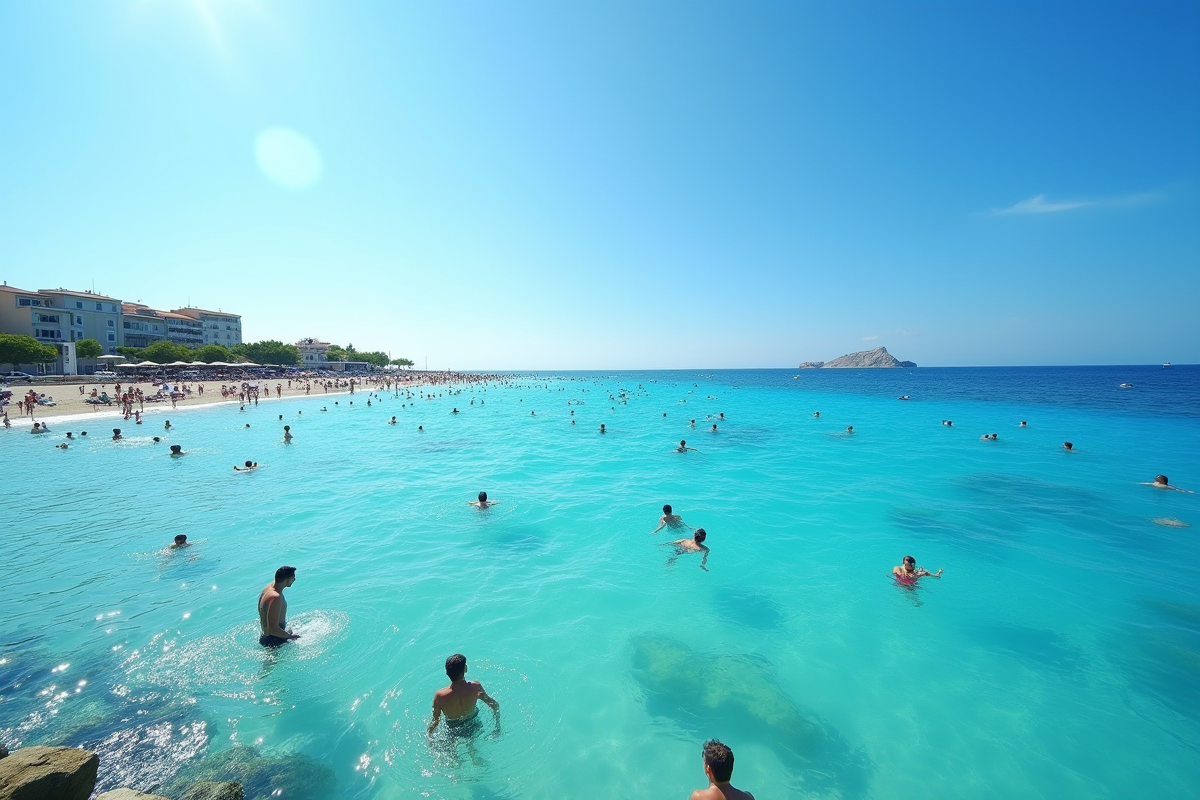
718,767
272,610
458,700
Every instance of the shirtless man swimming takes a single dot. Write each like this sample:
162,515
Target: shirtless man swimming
1161,482
692,545
482,502
458,700
272,610
683,448
718,766
669,519
908,572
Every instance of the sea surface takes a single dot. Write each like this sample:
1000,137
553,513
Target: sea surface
1058,656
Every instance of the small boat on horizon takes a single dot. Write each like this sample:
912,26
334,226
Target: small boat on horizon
1166,365
1126,385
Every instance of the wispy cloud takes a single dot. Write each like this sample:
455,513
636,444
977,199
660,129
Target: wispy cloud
871,338
1038,204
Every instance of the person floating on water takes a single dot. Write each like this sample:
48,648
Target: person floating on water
669,519
272,610
908,572
692,545
177,450
482,502
683,448
718,767
458,701
1161,482
180,541
249,466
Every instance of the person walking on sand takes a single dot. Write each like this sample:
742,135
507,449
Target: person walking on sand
718,767
458,701
272,609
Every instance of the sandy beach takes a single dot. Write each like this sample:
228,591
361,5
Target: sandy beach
69,402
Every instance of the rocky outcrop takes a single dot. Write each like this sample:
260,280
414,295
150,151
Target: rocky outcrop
48,773
812,365
212,790
873,359
129,794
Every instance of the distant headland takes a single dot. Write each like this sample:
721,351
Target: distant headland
877,358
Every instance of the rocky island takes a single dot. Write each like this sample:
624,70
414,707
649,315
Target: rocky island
874,359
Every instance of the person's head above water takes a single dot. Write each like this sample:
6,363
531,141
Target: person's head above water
683,442
1162,479
456,666
1068,446
249,464
176,448
718,761
667,508
287,428
909,562
700,535
181,538
483,497
285,575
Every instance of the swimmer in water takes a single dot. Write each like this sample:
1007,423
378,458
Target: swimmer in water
482,502
908,572
1023,424
420,427
70,435
850,430
37,428
949,423
714,427
177,450
272,610
1068,447
1161,482
180,541
249,466
62,446
692,545
287,433
683,448
670,520
602,428
392,421
458,701
816,414
116,434
718,768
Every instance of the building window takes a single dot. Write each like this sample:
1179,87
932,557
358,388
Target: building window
79,320
110,324
112,337
79,304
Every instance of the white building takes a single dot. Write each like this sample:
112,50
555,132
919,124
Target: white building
219,327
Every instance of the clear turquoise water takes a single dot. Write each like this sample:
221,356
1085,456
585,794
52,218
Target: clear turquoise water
1058,657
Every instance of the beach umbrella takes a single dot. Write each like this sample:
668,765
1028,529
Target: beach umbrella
147,364
109,358
197,364
176,364
125,366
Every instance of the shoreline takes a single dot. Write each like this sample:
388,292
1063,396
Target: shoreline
73,408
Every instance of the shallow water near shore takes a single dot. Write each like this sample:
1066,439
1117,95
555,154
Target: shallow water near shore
1058,656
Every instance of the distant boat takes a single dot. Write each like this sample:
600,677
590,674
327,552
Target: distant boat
1166,365
1126,385
795,377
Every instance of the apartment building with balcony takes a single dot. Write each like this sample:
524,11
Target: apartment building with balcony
217,327
143,326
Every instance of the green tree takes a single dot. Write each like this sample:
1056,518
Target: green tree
338,353
164,352
132,353
88,348
18,349
212,352
375,358
402,362
269,351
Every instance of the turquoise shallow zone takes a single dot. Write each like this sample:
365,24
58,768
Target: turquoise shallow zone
1058,657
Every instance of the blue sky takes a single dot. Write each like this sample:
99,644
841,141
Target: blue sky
620,185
